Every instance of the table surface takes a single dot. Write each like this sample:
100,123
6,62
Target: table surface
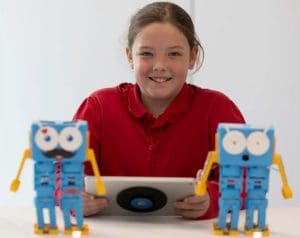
16,222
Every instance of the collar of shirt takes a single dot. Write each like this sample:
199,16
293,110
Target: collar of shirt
177,108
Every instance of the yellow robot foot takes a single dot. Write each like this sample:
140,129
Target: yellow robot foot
264,232
220,232
84,230
46,230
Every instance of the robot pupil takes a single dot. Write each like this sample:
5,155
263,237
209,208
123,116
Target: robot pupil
245,157
47,138
70,138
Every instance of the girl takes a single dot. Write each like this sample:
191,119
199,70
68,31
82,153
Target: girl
161,125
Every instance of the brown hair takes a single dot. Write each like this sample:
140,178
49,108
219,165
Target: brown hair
166,12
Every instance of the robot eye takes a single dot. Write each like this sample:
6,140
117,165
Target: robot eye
234,142
258,143
70,138
46,138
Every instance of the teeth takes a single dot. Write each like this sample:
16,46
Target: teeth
159,80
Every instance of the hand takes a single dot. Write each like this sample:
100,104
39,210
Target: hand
92,204
287,192
14,186
193,207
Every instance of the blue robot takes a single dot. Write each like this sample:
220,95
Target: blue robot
245,155
59,150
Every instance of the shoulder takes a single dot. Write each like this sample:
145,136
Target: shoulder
102,99
208,95
119,89
218,105
110,93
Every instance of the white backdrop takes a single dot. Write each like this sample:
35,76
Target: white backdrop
53,53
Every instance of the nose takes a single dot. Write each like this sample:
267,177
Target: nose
245,157
159,64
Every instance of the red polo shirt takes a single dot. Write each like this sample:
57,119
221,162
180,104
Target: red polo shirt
129,141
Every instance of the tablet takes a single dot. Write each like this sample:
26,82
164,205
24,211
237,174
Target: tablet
142,195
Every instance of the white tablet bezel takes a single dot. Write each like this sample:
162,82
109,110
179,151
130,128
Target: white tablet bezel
174,188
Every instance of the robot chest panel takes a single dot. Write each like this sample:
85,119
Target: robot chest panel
231,177
257,178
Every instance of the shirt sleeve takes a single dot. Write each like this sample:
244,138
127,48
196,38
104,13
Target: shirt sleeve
90,111
223,110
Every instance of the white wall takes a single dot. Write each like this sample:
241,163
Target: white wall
252,50
54,53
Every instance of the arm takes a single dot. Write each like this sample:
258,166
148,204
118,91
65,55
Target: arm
204,204
14,186
89,111
201,186
222,110
99,183
213,192
286,190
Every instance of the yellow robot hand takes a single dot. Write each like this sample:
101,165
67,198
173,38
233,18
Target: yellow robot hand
100,186
200,188
14,186
287,192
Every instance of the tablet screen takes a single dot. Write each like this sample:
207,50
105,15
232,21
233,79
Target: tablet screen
142,195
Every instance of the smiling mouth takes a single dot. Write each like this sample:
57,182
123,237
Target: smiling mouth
160,79
58,153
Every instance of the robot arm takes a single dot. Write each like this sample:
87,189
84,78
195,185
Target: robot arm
286,190
99,183
200,187
14,186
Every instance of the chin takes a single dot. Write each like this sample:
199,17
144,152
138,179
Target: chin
163,96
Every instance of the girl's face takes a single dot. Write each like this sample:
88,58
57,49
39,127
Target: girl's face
161,58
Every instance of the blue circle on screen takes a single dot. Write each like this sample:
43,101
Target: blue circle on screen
141,203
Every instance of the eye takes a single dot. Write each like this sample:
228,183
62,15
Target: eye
174,54
46,138
146,54
258,143
70,138
234,142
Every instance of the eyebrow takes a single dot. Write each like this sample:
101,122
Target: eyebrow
171,48
176,47
145,48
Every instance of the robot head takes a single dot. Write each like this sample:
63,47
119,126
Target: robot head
51,140
244,145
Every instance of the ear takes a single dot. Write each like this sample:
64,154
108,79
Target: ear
129,55
193,56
